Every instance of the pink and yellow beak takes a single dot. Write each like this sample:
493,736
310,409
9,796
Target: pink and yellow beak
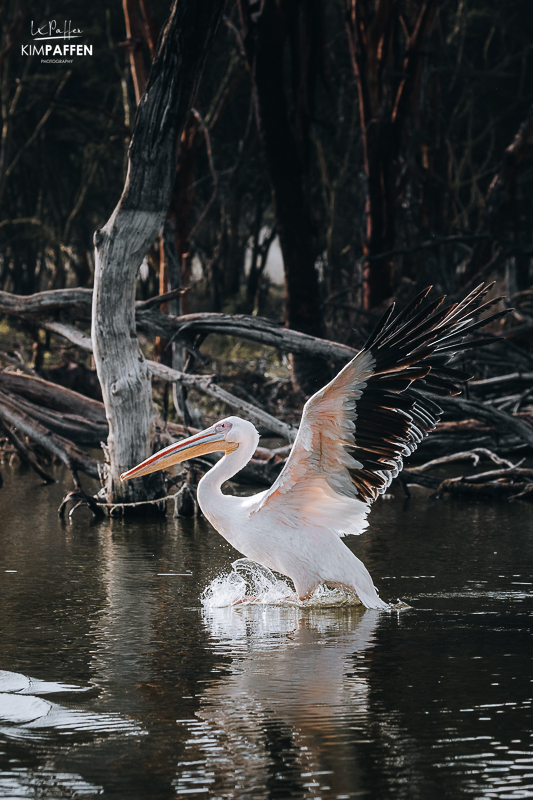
208,441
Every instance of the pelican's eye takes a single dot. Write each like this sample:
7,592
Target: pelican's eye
223,427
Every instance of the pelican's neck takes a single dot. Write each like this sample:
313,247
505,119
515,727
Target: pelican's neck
210,487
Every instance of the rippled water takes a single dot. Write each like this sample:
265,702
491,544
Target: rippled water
116,680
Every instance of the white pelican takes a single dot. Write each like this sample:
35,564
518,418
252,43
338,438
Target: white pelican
352,438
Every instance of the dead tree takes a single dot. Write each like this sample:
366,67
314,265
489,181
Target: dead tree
499,198
131,230
266,37
386,58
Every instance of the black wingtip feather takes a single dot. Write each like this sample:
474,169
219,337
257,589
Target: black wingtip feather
397,408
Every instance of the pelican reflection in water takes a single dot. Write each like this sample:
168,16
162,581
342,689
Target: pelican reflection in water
352,439
279,712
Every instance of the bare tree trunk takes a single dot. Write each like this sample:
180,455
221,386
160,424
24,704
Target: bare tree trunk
266,36
131,230
133,43
182,200
385,82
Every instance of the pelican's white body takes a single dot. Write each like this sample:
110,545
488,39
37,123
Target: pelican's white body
300,543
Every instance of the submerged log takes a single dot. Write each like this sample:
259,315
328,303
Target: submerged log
465,487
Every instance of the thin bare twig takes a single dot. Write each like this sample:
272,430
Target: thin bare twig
212,170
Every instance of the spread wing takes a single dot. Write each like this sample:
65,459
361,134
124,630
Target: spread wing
356,431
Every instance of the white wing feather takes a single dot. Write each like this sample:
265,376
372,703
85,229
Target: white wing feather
355,431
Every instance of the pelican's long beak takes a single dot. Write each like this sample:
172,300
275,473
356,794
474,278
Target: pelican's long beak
207,441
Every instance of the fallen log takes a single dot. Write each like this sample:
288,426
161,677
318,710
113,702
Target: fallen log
70,455
92,430
73,427
203,383
149,320
53,396
253,329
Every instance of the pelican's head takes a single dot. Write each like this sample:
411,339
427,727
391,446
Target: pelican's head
227,436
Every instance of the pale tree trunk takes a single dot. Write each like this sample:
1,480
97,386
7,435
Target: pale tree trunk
131,230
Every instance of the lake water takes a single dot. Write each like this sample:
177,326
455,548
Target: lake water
118,683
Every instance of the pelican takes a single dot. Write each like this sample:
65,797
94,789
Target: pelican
351,442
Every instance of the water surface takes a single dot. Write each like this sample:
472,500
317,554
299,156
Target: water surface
117,682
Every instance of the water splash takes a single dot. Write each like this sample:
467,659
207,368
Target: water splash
250,583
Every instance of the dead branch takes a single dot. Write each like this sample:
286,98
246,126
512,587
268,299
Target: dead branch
201,382
70,455
473,455
25,453
253,329
499,380
45,302
205,384
480,411
55,397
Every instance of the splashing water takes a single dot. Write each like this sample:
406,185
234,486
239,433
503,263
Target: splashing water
251,583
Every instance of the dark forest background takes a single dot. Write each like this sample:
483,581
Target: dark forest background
384,143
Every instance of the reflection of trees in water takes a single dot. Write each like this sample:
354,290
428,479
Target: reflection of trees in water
284,720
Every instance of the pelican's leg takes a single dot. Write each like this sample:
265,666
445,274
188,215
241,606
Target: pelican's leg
350,572
305,586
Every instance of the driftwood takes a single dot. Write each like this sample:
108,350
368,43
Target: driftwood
521,431
511,483
42,409
499,420
35,308
463,487
26,453
468,455
43,406
70,455
201,382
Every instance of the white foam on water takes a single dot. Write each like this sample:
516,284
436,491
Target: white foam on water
250,583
